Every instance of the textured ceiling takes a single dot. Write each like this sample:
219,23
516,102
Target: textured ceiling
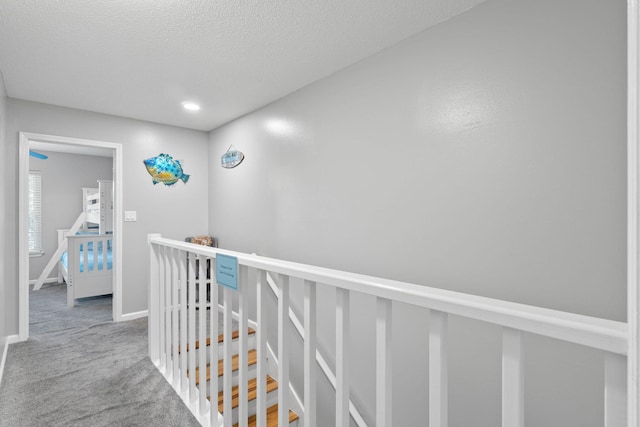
142,58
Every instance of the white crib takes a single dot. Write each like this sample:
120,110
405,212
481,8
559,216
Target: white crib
86,266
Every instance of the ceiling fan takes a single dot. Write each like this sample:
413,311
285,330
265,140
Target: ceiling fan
38,155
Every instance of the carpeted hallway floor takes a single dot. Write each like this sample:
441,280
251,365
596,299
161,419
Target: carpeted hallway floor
79,368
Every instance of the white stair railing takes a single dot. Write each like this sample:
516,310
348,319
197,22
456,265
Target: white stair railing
168,283
311,348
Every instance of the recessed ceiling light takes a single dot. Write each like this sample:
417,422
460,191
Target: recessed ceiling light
191,106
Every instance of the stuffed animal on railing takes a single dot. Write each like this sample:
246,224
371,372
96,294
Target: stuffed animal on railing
203,240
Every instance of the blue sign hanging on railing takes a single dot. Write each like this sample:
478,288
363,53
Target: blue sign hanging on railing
227,271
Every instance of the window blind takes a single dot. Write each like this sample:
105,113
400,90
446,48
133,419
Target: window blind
35,212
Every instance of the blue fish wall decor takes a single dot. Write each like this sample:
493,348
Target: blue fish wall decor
163,168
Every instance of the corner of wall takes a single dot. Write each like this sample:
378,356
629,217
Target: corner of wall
4,341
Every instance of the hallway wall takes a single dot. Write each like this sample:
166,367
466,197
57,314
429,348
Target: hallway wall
176,212
484,155
4,304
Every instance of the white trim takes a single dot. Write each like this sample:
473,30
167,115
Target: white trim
3,360
10,340
23,249
633,214
133,316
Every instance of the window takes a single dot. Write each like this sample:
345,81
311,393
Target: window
35,213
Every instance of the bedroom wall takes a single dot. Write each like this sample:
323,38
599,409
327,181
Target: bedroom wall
62,196
176,212
484,155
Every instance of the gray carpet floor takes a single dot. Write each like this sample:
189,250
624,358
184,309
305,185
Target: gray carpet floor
79,368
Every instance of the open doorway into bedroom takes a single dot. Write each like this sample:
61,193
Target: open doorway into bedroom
65,182
76,168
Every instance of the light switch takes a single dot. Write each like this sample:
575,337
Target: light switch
129,216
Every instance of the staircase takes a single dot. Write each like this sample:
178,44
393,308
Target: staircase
272,384
172,314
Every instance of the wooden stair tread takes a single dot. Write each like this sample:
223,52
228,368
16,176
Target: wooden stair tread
252,359
234,336
251,395
272,417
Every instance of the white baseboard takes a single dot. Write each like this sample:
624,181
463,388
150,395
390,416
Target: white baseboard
10,340
135,315
47,280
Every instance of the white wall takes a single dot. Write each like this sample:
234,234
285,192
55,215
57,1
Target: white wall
176,212
484,155
4,303
63,176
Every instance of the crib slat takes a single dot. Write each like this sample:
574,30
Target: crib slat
105,254
261,336
342,358
85,256
191,328
310,387
243,378
615,390
383,363
438,370
283,350
202,332
512,378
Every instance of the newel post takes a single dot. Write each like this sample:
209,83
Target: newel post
154,301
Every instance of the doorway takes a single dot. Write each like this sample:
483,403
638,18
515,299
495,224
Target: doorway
78,146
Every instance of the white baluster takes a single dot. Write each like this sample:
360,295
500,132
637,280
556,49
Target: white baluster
175,341
167,312
383,364
182,261
227,351
213,348
161,317
192,327
261,336
512,378
243,377
615,390
154,303
202,332
438,370
342,358
310,368
283,351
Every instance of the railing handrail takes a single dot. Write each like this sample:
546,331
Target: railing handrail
603,334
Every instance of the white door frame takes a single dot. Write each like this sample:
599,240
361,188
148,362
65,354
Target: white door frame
633,212
23,245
